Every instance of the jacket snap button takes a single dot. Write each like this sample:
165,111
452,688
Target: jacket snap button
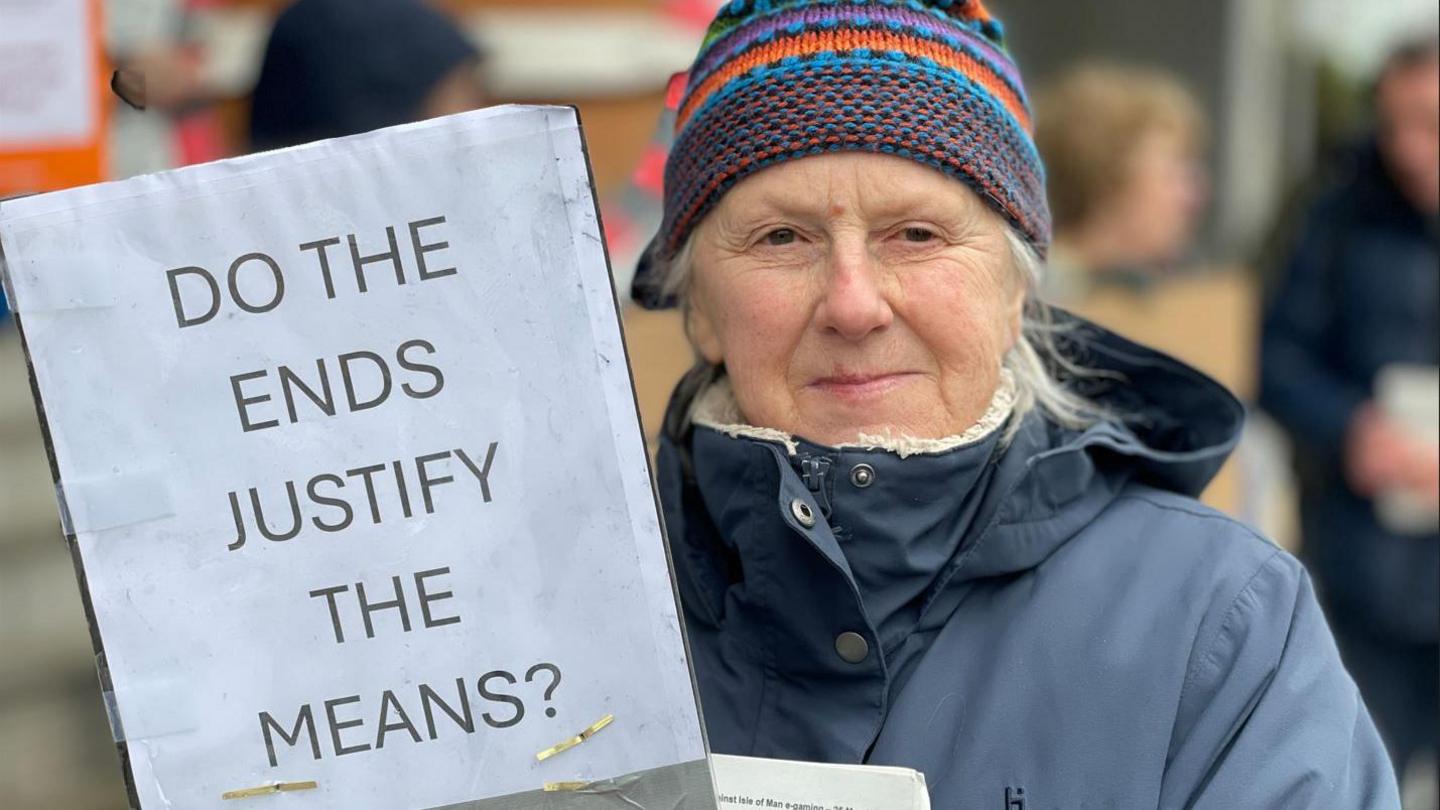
803,513
862,475
851,647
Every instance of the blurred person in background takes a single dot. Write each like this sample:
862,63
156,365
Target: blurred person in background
1359,294
178,78
339,67
1123,149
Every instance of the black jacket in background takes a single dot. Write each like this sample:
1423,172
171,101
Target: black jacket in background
1360,291
339,67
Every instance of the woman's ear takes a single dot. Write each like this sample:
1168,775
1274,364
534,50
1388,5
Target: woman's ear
700,328
1015,316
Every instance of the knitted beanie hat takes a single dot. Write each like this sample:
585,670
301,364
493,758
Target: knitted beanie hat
777,80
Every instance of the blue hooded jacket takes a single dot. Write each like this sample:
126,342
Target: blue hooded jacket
1056,623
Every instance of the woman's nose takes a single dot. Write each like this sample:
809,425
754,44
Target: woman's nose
854,303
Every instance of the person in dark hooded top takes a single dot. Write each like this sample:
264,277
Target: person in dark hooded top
340,67
915,519
1358,301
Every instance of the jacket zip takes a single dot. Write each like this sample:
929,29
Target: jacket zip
815,472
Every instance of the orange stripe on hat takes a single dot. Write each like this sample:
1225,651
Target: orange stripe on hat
849,40
978,10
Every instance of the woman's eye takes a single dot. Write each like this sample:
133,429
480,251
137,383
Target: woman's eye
918,234
780,236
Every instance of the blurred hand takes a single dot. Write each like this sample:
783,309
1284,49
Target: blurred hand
163,78
1381,455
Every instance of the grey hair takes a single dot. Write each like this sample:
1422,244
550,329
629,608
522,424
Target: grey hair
1036,356
1033,362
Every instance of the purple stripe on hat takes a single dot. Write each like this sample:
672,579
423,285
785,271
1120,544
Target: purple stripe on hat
953,35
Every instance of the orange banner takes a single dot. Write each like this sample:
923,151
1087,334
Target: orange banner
53,95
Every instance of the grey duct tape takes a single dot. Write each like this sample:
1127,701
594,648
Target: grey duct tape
112,502
27,293
112,713
686,786
179,717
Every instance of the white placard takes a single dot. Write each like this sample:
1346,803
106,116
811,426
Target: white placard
47,71
483,466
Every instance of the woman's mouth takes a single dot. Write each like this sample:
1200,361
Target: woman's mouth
857,387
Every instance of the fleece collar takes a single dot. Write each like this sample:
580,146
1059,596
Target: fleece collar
717,409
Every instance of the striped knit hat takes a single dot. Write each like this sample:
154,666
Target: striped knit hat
776,80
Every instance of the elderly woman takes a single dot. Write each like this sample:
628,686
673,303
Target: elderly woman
914,523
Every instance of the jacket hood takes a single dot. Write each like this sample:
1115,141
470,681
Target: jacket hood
1173,430
1177,425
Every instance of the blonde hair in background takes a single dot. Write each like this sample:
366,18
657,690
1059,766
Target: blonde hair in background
1088,122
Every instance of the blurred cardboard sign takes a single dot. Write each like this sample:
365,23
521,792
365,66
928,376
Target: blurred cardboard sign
52,118
348,455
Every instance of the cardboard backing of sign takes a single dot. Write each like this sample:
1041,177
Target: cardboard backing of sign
346,450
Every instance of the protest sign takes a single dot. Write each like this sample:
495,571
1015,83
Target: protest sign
348,455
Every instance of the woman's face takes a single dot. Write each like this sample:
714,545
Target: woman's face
855,293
